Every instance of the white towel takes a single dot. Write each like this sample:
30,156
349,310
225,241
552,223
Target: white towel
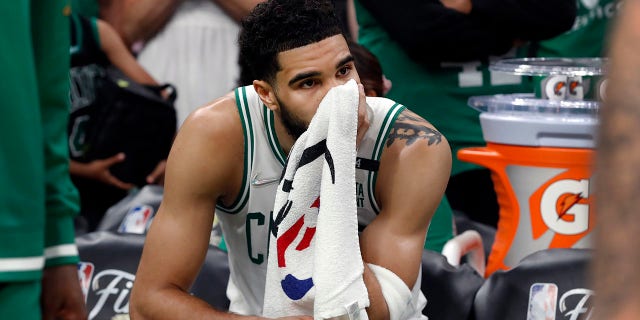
315,266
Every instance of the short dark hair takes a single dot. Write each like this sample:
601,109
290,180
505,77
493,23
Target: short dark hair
275,26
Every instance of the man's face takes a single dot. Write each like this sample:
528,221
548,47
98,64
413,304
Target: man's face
307,75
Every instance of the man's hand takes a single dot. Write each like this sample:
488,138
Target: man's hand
99,170
61,294
462,6
363,116
157,176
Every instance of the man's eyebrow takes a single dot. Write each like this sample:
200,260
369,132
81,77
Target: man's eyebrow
303,75
344,61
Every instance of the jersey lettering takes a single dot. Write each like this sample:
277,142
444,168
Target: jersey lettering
78,135
359,195
257,219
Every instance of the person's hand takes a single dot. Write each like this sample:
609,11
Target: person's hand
363,116
99,170
462,6
157,175
61,297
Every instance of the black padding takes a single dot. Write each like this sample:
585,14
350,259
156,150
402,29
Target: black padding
506,294
450,291
108,265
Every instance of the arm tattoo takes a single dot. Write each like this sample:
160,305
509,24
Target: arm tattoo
412,128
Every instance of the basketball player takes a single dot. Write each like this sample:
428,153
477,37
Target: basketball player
229,155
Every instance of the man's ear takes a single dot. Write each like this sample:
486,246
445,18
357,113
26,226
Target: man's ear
266,93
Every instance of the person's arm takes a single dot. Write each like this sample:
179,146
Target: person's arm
178,239
137,20
615,275
61,295
529,19
119,55
431,33
237,9
413,174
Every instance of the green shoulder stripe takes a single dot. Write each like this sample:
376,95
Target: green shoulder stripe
385,128
247,131
273,137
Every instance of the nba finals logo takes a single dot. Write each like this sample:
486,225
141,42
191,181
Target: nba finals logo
85,274
137,220
563,205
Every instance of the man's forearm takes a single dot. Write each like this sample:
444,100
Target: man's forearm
175,304
377,305
528,20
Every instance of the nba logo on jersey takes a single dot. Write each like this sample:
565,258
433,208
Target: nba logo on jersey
137,220
542,301
85,274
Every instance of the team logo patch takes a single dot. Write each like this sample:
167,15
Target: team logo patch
137,220
85,274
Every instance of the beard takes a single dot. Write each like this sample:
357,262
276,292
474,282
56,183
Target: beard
294,125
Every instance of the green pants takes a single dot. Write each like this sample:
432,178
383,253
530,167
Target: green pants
20,300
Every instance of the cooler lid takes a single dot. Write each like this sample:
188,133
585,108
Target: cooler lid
551,66
527,103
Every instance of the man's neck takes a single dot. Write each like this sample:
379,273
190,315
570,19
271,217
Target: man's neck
285,139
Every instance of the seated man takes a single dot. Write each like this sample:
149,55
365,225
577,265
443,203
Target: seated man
229,155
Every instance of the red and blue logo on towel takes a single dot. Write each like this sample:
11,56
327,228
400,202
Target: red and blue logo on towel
296,287
293,287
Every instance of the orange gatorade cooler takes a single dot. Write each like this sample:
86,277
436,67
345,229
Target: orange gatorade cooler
540,152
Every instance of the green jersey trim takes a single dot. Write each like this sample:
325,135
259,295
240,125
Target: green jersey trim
385,128
78,28
96,31
22,264
63,250
269,123
247,132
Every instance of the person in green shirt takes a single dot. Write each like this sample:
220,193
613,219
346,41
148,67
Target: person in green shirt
589,34
438,56
38,255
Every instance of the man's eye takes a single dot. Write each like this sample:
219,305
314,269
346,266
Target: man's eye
307,83
344,70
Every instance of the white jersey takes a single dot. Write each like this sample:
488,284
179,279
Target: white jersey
245,224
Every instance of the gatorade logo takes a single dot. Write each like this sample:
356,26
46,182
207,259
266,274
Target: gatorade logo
559,88
563,206
555,87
